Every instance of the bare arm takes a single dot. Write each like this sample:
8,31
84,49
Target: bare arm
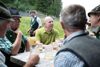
17,43
27,46
33,60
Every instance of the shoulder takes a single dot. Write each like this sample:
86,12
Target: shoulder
2,58
55,31
68,59
37,17
40,29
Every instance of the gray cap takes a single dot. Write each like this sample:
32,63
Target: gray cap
95,11
5,13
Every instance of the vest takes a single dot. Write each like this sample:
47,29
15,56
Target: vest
34,24
85,48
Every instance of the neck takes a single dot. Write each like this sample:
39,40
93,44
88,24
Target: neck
48,30
67,33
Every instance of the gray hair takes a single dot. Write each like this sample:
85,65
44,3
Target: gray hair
74,17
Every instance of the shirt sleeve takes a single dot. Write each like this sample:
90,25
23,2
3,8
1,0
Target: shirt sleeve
67,59
37,35
2,65
39,21
57,35
2,60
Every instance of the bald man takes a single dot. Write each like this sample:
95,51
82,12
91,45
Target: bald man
47,34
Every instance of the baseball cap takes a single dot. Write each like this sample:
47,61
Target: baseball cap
14,12
95,11
5,13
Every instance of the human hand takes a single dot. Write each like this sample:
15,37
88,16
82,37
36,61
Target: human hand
32,61
19,33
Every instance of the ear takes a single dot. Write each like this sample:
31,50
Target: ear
99,19
62,24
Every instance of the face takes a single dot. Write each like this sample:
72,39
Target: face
4,26
49,24
15,24
94,20
32,14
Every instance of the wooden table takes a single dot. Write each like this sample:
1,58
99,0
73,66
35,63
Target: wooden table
46,55
46,59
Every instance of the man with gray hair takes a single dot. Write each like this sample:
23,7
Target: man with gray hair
79,50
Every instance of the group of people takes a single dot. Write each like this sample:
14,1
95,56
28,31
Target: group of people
12,40
79,49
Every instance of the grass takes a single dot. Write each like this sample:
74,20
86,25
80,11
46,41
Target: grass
25,25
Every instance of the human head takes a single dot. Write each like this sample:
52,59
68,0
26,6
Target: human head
94,16
48,23
16,16
5,18
33,13
73,18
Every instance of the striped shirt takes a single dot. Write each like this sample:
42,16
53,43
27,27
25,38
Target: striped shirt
5,45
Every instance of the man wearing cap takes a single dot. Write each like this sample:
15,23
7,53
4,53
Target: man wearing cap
94,19
6,47
13,33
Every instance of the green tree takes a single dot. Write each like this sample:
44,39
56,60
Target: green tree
49,7
55,8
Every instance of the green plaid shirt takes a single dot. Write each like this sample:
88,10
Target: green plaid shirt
5,45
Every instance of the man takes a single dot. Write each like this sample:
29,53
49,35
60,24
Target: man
47,34
6,46
94,19
35,22
79,50
12,33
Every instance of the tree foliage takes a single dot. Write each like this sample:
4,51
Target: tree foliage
48,7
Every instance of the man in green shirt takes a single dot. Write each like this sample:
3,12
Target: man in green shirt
47,34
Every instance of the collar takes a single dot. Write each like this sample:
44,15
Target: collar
48,32
74,34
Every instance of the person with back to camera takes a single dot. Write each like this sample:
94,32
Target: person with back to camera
79,49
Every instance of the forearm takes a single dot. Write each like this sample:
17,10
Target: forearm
27,46
17,44
33,60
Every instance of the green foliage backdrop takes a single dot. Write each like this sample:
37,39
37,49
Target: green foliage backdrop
48,7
